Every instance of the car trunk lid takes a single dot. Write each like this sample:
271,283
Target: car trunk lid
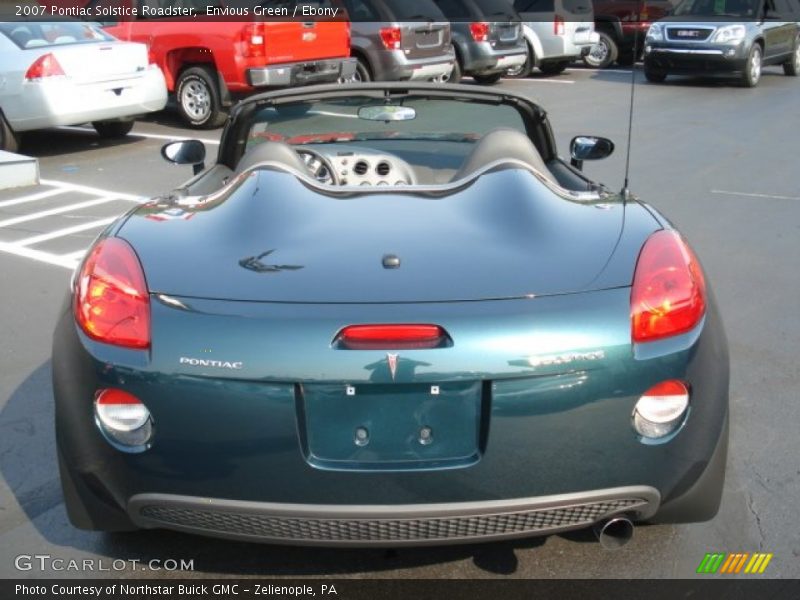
273,238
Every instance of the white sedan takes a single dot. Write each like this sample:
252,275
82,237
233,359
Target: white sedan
67,73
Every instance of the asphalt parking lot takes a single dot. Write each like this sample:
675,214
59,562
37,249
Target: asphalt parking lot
719,160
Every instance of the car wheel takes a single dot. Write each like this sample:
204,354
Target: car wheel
603,53
360,75
553,68
490,79
456,74
752,69
524,69
113,129
198,98
792,66
654,75
8,139
626,59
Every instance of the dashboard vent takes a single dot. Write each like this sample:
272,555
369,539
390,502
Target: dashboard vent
383,168
361,167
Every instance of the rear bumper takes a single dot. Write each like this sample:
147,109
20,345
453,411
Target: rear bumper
61,101
390,525
393,65
302,73
483,58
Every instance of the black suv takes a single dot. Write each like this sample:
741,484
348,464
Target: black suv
487,37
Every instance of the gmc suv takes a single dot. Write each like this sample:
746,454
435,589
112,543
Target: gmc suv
725,36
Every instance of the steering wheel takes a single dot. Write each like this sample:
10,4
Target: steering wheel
319,166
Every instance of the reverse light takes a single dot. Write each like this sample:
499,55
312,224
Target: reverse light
661,409
123,418
668,296
391,37
393,336
730,34
111,301
559,27
43,67
253,41
479,31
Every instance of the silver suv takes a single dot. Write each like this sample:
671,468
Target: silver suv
557,32
725,36
399,40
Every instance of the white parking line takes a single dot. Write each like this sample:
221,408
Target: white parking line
538,81
153,136
56,211
45,257
92,190
753,195
31,198
66,231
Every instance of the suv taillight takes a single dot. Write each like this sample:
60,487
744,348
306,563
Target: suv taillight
669,292
111,300
44,66
253,41
479,31
391,37
559,27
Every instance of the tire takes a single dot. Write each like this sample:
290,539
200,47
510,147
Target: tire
792,66
603,53
456,74
361,74
553,68
626,59
113,129
654,75
198,97
752,69
8,139
490,79
525,69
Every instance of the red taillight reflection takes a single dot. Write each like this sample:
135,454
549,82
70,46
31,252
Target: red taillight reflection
392,336
391,37
44,66
668,294
479,31
111,300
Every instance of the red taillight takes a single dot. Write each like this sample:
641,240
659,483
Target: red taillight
479,31
362,337
44,66
668,295
391,37
559,27
253,41
111,300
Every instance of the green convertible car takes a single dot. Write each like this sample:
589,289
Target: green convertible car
390,314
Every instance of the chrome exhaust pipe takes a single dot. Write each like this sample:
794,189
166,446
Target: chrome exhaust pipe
614,533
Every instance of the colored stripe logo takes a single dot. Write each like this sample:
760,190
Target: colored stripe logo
734,563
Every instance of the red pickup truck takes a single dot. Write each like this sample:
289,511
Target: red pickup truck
208,62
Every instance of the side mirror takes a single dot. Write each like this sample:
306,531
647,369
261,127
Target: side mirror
186,152
589,147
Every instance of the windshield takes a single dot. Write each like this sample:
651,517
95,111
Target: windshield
358,118
718,8
43,35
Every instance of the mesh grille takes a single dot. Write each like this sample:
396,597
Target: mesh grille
354,530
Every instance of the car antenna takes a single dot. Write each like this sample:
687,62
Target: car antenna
626,192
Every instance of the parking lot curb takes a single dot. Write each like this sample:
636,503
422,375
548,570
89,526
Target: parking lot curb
17,170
